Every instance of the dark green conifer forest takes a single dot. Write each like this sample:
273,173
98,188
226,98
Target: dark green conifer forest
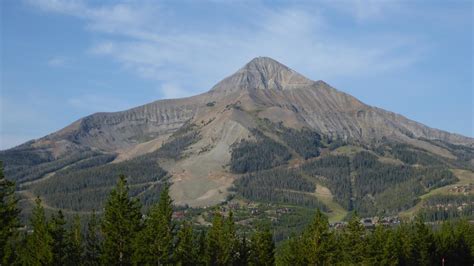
123,235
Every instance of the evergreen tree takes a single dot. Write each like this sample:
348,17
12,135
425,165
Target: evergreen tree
315,246
244,252
185,252
404,234
9,222
376,242
38,249
222,242
230,240
122,221
291,252
262,248
391,250
214,235
74,243
317,241
464,235
58,233
423,242
92,242
452,243
446,244
202,248
354,242
154,244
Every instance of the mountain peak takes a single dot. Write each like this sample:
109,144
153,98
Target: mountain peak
263,73
263,62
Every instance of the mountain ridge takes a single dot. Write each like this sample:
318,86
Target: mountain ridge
196,139
250,77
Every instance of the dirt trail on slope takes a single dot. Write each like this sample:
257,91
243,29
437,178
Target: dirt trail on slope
323,194
41,179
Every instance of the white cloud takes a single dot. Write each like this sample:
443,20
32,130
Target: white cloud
363,10
63,6
57,61
134,19
193,60
172,91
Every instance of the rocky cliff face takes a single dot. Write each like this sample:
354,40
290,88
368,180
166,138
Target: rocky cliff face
112,131
265,85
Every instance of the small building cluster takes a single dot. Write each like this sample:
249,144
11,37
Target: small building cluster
449,206
462,189
371,222
179,215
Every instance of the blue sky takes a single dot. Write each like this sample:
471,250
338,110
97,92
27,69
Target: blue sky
62,60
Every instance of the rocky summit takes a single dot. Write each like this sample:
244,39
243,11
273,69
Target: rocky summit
226,142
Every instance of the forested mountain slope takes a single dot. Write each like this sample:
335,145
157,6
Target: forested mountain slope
263,134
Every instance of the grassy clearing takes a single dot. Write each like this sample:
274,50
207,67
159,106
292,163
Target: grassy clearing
323,194
347,150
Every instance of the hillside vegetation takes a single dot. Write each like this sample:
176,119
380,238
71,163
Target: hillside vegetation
124,235
275,164
279,186
385,181
81,183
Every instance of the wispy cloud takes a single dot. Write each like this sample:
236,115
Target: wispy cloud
129,18
172,91
57,61
363,10
178,51
134,35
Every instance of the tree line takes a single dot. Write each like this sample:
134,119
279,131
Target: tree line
85,187
263,153
366,185
280,185
77,186
305,142
412,243
125,236
445,207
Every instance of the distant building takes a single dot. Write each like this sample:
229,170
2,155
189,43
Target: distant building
178,215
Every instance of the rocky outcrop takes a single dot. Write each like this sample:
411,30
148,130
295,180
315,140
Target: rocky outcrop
264,85
223,116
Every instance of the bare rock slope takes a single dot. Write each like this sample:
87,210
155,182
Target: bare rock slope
261,84
223,116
